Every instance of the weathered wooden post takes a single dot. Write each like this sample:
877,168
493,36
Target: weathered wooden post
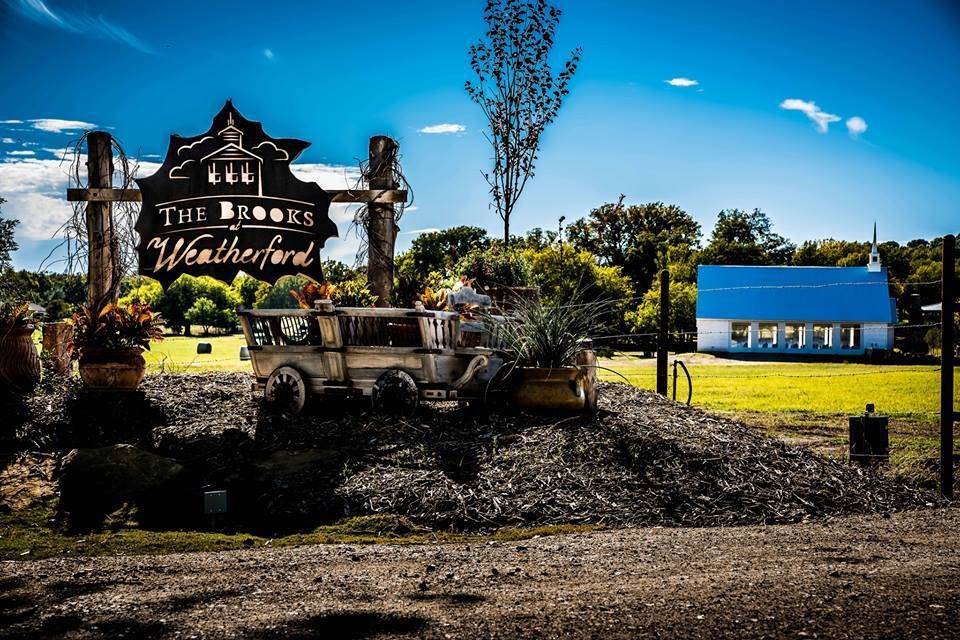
663,334
101,287
57,337
947,303
381,226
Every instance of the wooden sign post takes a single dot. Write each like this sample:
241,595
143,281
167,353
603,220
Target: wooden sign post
101,243
227,201
381,225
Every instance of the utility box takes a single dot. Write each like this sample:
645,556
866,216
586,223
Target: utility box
869,438
214,502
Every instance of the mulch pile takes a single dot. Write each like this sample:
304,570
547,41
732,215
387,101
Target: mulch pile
642,460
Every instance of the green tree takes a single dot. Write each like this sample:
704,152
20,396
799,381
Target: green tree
143,290
517,91
559,271
645,318
631,237
206,313
184,292
277,296
248,288
7,243
440,250
746,238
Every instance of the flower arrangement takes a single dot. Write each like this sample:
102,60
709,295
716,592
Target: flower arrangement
116,327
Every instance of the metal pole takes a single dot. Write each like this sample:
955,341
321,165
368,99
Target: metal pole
948,296
663,334
674,380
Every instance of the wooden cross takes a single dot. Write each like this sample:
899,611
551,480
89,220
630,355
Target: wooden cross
100,195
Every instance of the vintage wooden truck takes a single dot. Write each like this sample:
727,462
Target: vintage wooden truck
397,357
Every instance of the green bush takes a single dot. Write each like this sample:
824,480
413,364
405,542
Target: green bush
683,309
496,267
206,313
354,292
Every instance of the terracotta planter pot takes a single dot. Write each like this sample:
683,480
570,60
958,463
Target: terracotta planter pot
559,389
19,362
120,369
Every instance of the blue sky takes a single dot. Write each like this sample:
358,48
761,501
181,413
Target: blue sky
775,120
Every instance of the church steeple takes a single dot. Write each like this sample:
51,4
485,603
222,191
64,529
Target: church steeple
874,264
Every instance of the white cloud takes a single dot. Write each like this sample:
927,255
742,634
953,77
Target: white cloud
821,119
444,128
76,22
268,54
21,152
417,232
856,125
11,121
56,125
8,141
36,193
682,82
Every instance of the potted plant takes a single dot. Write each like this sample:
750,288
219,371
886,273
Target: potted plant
19,363
502,274
552,360
109,344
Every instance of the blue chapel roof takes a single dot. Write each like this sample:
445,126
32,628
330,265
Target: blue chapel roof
806,294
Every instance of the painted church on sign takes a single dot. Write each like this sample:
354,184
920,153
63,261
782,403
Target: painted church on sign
795,310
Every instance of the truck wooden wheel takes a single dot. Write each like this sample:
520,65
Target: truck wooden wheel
285,391
395,393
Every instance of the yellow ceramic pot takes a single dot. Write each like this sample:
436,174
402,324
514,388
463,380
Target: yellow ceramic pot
558,389
120,369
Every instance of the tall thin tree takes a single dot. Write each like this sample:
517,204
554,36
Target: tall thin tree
518,92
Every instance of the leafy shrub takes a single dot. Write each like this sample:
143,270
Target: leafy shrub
496,267
207,314
116,326
355,292
683,309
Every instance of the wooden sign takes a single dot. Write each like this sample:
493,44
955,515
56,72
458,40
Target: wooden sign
227,201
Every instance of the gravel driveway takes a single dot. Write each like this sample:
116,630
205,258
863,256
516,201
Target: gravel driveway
858,577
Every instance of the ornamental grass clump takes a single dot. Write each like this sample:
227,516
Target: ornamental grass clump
549,334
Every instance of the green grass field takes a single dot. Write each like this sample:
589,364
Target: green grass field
178,354
824,389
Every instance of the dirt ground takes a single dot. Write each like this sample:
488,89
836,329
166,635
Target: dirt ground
852,577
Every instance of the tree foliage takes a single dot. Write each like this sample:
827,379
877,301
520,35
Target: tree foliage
745,238
7,243
631,237
645,318
518,92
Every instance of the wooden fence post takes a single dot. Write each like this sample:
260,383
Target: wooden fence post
57,337
381,226
663,335
101,287
947,347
